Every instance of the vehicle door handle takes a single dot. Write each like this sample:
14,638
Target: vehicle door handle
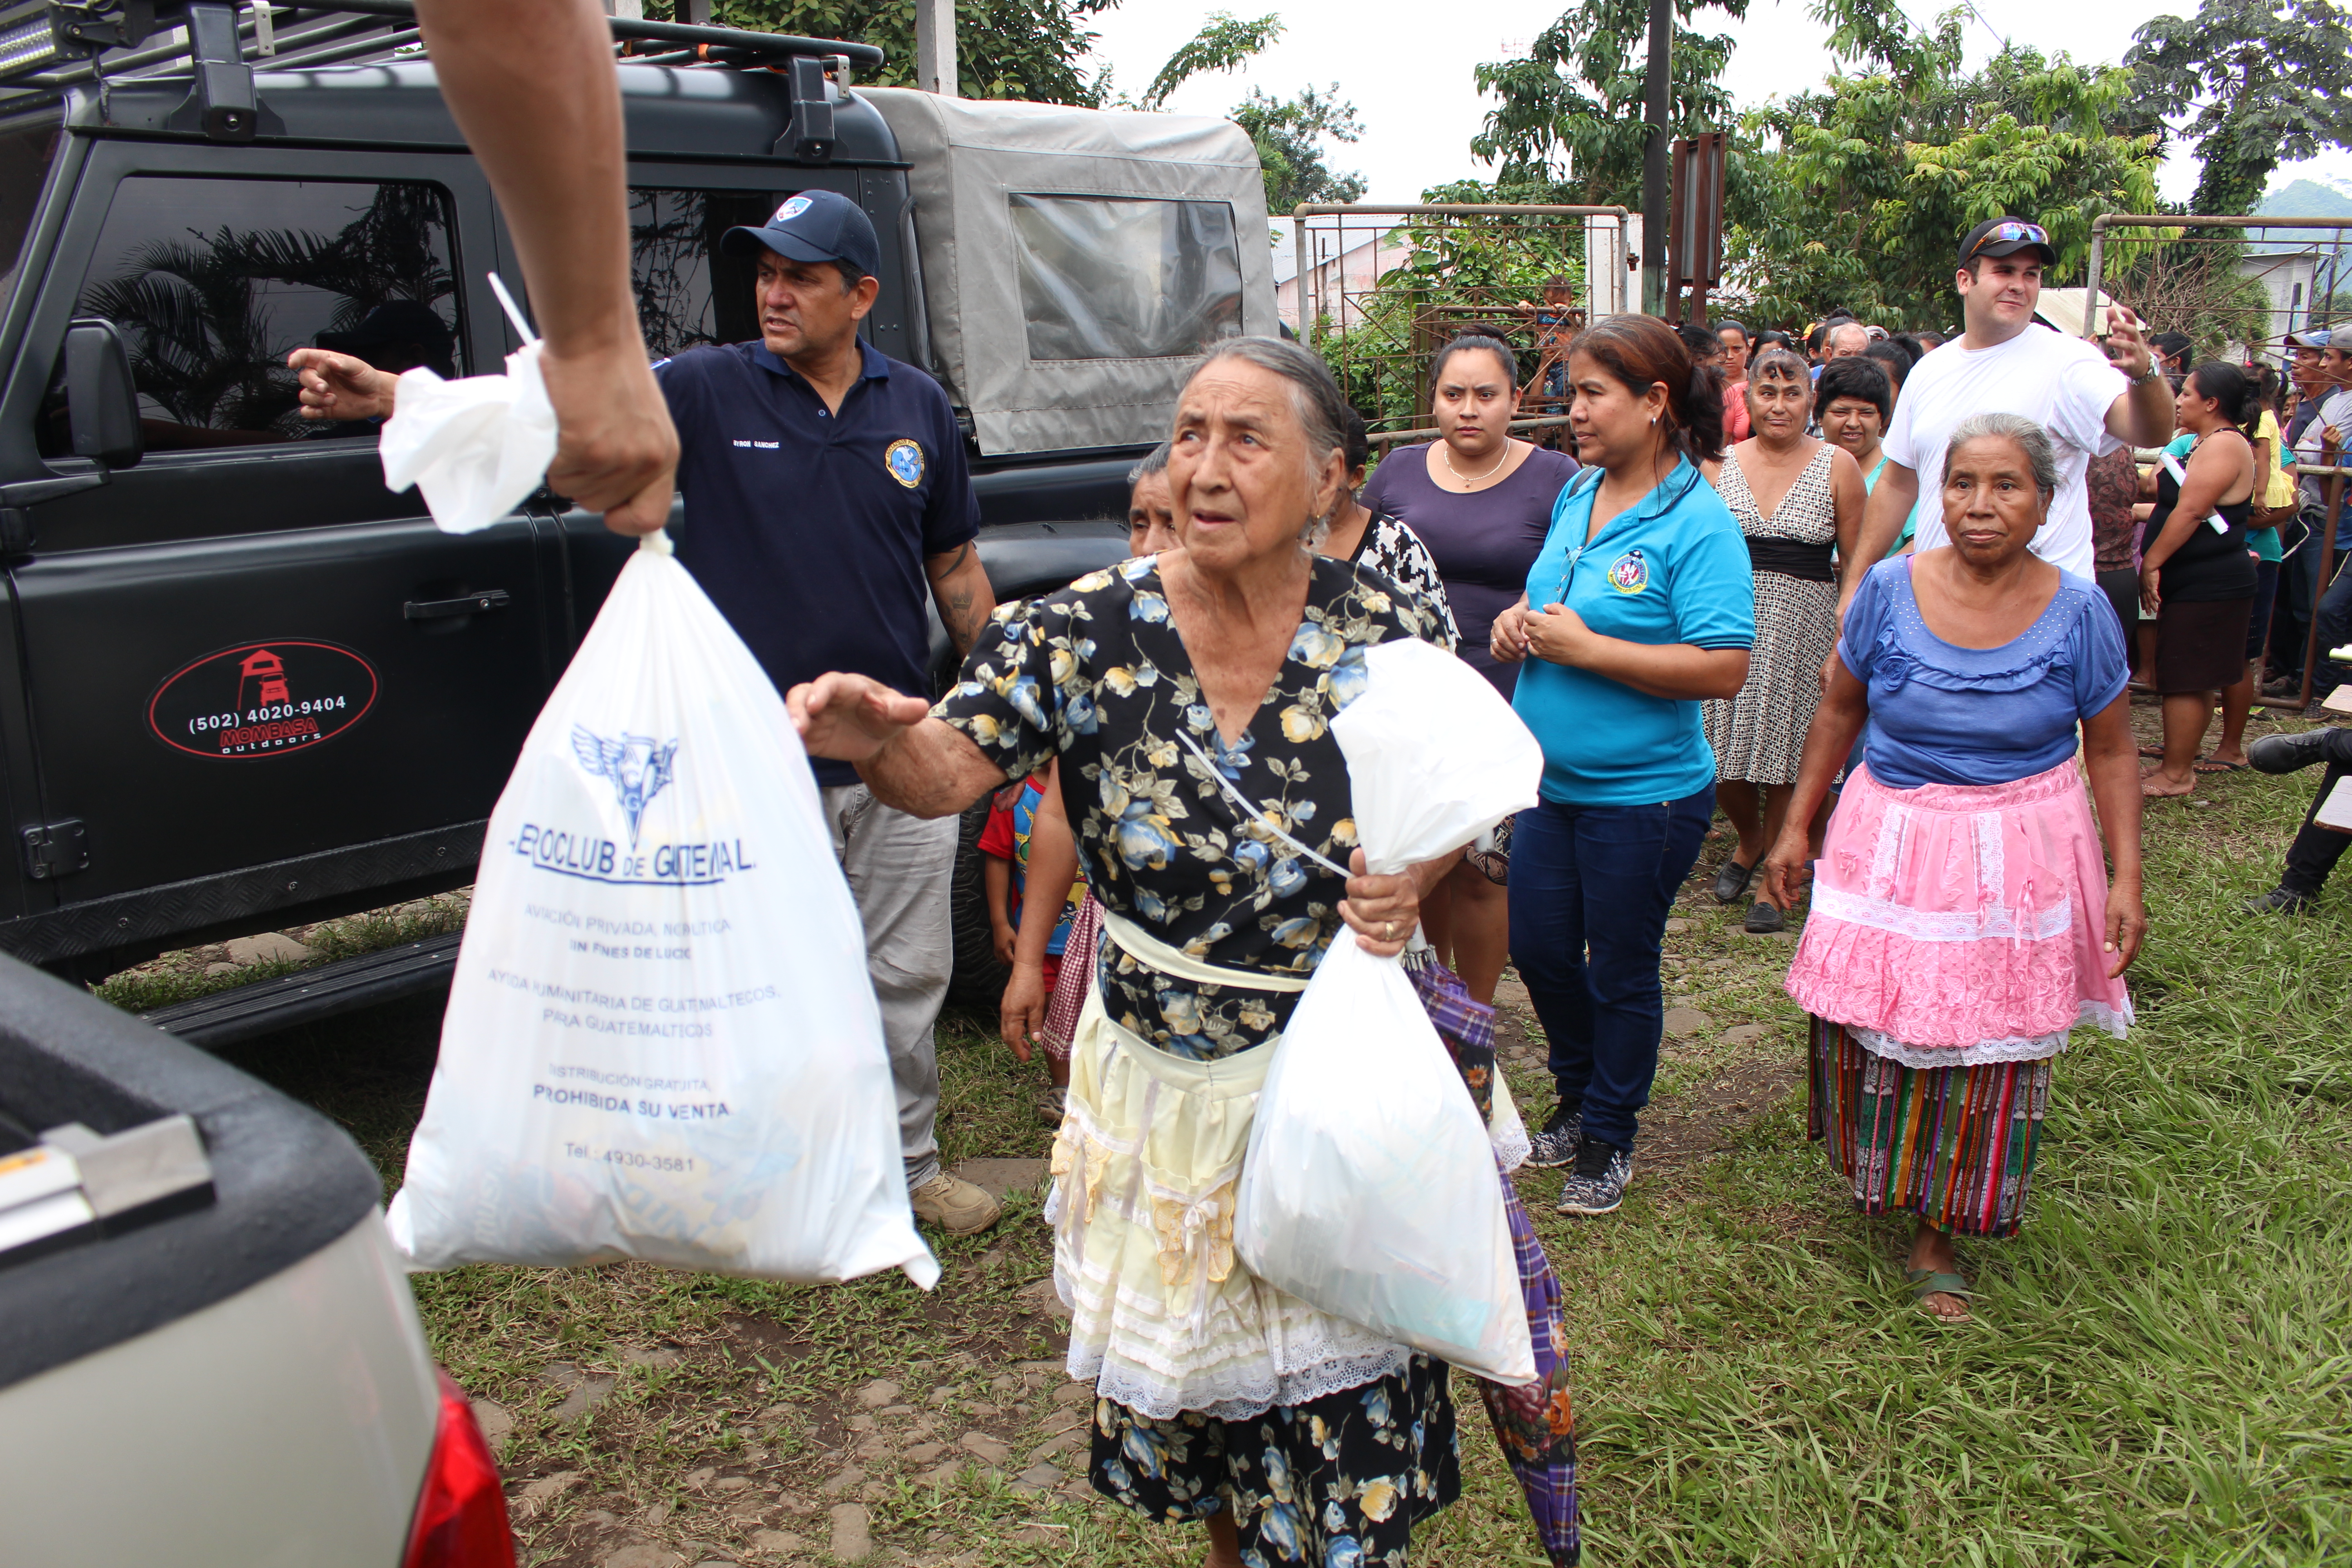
471,604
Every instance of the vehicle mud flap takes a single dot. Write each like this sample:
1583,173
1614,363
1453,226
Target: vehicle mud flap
979,979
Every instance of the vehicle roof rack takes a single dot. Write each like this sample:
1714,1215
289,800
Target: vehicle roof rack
50,44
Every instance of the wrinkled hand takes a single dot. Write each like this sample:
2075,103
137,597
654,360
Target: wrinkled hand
615,449
1021,1013
2126,924
1558,634
1508,640
338,387
1787,869
848,718
1381,910
2151,595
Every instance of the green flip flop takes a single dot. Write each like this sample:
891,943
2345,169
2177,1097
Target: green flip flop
1927,1282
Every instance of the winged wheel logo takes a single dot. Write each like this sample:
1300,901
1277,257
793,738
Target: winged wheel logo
637,764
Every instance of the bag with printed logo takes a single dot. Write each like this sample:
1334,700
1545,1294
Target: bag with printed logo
661,1042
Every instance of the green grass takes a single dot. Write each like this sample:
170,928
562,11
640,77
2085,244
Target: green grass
2159,1371
182,976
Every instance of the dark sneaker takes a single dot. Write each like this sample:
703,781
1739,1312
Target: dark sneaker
1603,1171
1762,920
1731,882
2288,753
2278,901
1555,1143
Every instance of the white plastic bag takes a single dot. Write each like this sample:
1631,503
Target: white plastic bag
1370,1188
661,1042
476,447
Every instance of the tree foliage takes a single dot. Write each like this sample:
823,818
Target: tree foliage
1031,49
1224,43
1290,133
1568,114
1858,194
2262,82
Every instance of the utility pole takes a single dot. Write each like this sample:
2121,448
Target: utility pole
935,47
1656,218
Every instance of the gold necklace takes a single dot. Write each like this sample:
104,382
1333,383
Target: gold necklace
1446,454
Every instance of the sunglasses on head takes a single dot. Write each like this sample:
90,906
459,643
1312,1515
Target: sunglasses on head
2004,233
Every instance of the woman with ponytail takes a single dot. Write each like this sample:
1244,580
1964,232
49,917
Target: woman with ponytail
1640,605
2197,570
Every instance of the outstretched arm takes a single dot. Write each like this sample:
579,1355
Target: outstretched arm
531,84
912,762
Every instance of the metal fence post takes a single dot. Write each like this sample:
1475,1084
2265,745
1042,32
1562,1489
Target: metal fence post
1298,241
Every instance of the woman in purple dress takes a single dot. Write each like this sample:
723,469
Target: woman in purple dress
1481,501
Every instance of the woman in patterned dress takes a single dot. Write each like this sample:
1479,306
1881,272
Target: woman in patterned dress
1796,498
1296,1437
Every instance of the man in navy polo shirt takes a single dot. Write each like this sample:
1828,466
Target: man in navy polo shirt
826,494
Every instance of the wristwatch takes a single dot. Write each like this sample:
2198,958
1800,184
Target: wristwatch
2151,373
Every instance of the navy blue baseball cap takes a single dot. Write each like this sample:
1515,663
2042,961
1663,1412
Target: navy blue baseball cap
814,227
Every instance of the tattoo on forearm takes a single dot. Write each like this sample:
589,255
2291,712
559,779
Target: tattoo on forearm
954,564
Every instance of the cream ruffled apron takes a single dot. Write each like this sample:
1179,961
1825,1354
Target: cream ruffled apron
1146,1169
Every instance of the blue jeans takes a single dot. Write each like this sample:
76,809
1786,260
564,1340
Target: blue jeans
1590,889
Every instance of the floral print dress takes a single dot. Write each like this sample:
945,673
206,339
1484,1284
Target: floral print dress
1098,675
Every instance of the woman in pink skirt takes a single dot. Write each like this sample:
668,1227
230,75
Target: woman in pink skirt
1962,922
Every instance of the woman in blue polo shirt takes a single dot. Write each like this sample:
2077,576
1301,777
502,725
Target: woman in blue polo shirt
1640,605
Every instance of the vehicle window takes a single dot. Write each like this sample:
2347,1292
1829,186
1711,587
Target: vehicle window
26,152
213,282
1110,278
687,294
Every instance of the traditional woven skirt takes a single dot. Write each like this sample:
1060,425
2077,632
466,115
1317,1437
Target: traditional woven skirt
1954,942
1953,1145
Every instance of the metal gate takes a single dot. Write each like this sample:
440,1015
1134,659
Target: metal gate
1377,289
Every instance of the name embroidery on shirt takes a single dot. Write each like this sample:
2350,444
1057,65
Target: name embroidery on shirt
761,445
905,460
1629,573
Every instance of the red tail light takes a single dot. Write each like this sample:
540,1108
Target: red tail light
461,1514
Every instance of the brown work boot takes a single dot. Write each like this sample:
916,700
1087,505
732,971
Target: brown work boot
954,1206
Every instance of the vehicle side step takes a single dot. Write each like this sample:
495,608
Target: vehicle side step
343,986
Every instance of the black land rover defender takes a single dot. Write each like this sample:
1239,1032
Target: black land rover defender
243,686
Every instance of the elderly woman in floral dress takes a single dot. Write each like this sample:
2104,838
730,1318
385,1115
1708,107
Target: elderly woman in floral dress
1295,1437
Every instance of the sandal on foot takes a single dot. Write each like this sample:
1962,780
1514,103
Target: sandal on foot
1927,1282
2214,765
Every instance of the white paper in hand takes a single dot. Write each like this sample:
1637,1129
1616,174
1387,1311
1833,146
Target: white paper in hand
1370,1188
475,446
661,1042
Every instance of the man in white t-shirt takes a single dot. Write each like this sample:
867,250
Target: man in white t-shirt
2004,362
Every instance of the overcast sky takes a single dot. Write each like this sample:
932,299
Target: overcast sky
1411,82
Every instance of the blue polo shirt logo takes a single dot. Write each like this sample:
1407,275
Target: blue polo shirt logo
905,461
1629,573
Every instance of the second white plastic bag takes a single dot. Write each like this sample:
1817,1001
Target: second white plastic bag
1369,1188
661,1042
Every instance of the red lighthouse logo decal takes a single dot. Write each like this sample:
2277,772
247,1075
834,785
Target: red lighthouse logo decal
262,700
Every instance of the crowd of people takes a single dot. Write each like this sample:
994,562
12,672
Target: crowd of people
1860,591
1849,591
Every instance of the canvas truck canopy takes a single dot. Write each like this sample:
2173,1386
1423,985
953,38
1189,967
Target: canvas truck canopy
1076,262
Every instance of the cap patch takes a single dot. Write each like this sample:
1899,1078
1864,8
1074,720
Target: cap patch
791,210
